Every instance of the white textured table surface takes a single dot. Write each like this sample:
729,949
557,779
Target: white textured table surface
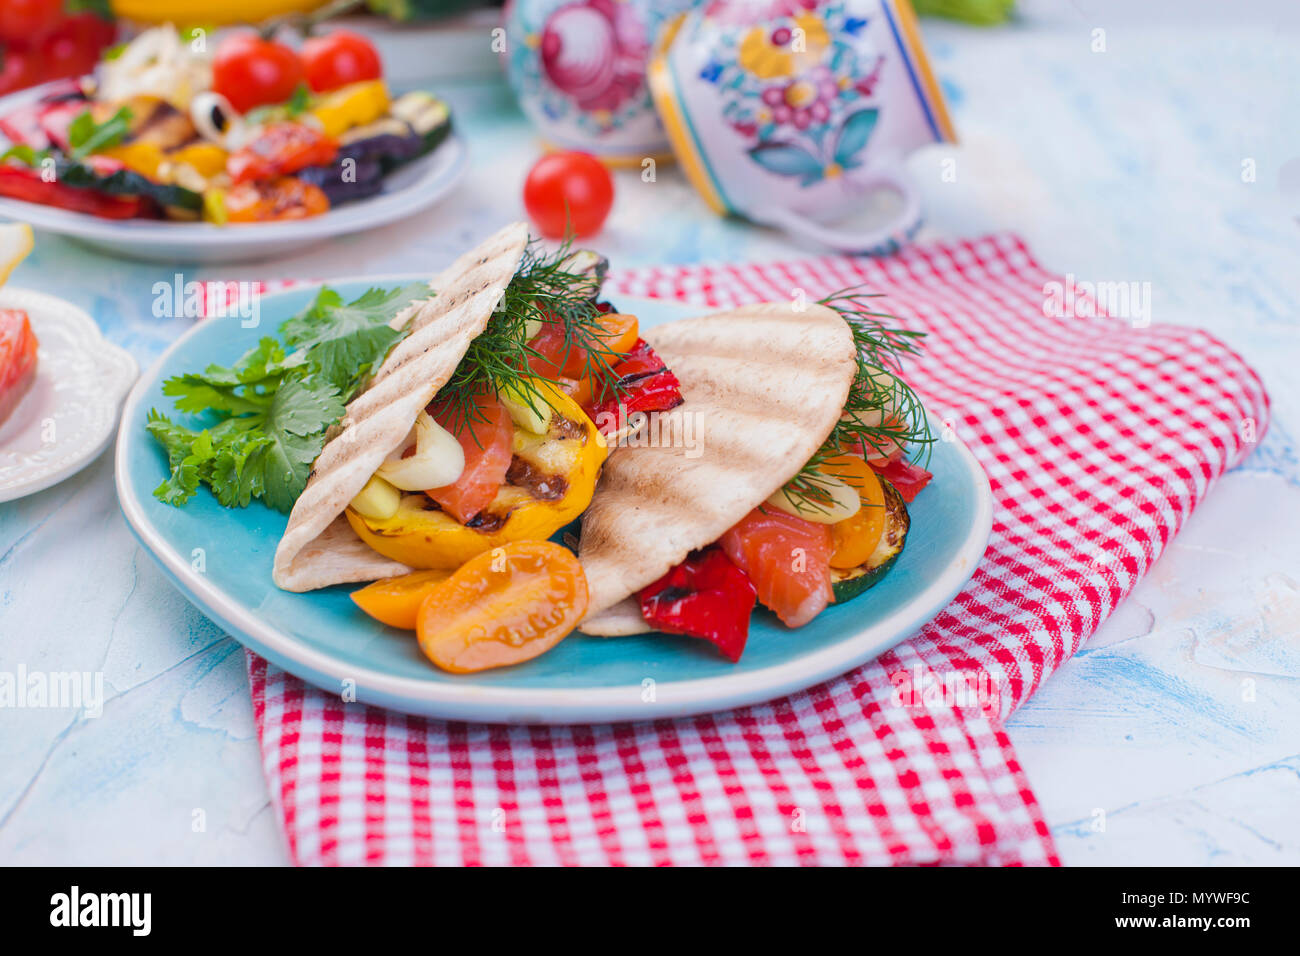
1173,737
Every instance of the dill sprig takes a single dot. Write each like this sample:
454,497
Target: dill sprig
881,411
548,287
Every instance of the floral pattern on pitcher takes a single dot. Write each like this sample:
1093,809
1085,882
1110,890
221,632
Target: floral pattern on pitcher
581,64
798,79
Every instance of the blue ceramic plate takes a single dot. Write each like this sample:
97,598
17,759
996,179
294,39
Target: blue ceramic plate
221,559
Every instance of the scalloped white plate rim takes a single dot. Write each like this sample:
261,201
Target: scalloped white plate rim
44,309
552,705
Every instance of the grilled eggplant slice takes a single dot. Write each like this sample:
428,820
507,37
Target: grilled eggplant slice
389,141
849,583
365,179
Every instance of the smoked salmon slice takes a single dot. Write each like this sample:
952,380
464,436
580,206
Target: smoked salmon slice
17,359
787,559
488,441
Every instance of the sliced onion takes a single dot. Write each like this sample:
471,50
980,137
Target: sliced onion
843,502
438,459
201,111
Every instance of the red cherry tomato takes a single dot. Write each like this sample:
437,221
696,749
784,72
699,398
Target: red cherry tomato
26,21
339,58
98,31
250,71
568,191
73,47
19,68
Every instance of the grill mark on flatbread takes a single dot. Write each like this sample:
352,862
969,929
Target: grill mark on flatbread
319,548
766,385
726,449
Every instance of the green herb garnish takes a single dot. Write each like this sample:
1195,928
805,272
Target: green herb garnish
273,408
300,102
561,287
25,155
344,341
881,410
270,411
85,136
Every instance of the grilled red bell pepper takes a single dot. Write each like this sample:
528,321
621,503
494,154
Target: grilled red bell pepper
22,127
908,478
281,149
705,596
645,384
275,200
26,126
22,182
56,121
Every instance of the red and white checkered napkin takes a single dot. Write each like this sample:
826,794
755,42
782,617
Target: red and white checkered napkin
1099,439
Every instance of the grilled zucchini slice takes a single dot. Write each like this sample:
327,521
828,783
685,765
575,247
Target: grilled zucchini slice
849,583
429,116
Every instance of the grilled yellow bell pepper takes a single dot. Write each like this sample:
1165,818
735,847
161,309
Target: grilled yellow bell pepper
142,158
422,536
350,106
206,159
214,206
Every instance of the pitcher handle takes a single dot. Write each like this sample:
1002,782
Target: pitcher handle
876,241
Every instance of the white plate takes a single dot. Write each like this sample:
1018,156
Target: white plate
69,414
408,190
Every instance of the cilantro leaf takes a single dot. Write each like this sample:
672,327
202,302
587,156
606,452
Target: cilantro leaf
328,318
247,387
269,412
303,407
344,342
238,474
187,454
345,362
296,438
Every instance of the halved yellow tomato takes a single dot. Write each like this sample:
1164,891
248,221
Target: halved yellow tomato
503,608
856,537
396,601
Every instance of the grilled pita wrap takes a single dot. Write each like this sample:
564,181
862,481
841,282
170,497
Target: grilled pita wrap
319,548
766,385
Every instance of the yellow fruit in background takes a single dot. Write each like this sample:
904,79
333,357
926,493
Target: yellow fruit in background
15,243
216,12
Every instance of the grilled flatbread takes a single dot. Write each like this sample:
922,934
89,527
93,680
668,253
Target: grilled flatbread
319,548
765,385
